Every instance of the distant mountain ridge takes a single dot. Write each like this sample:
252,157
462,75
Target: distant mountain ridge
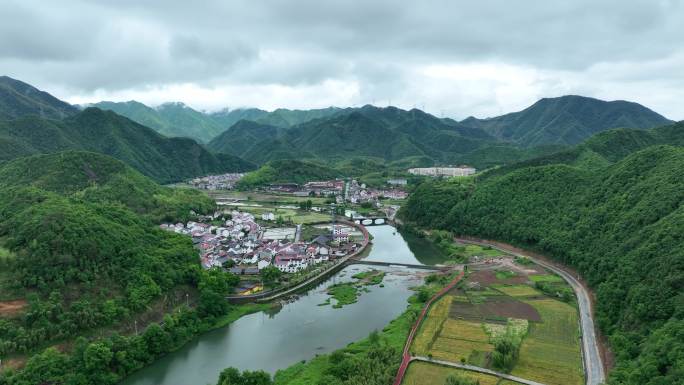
386,134
19,99
178,119
164,159
567,120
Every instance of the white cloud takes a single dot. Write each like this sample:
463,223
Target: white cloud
459,58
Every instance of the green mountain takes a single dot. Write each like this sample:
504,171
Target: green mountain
80,247
178,120
604,148
164,159
386,134
169,119
281,117
228,117
288,171
619,224
19,99
76,223
566,120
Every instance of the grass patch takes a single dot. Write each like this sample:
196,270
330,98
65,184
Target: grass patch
424,373
505,274
372,277
545,278
517,290
344,294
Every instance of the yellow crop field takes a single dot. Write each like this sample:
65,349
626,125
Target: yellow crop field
424,373
550,353
517,290
464,330
450,349
431,325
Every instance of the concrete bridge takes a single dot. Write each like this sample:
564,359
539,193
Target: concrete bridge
371,221
380,263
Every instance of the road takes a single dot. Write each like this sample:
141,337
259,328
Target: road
593,364
476,369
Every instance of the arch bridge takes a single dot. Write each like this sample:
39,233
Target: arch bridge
371,221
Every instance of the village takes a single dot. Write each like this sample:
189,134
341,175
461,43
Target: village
237,242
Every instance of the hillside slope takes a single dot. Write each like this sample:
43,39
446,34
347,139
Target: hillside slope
164,159
620,225
19,99
388,134
567,120
169,119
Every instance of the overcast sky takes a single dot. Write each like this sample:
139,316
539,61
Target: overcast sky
451,58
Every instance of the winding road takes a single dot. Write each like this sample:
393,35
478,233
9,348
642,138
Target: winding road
593,364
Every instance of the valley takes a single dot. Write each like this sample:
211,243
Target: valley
340,246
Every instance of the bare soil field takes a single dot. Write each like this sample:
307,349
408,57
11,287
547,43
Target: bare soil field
12,308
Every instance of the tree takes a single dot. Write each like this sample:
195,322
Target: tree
270,275
232,376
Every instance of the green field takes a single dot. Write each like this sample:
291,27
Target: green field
546,278
424,373
551,353
297,216
264,197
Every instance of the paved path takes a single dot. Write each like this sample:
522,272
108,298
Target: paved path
476,369
593,364
406,356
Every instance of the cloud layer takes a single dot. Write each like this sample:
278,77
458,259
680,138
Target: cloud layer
454,58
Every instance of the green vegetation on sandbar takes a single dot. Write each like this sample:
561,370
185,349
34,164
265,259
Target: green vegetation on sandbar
347,293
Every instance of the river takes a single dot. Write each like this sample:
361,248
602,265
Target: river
299,330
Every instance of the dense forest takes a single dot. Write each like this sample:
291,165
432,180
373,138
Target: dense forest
620,224
80,247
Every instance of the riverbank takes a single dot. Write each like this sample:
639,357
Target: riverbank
391,338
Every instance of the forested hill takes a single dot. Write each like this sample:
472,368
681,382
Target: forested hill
281,117
567,120
20,99
82,258
604,148
169,119
620,225
176,119
386,134
288,171
164,159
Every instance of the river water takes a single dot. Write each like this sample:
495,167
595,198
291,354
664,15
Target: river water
300,329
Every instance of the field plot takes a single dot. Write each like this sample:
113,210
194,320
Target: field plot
517,290
462,340
432,324
503,301
423,373
551,351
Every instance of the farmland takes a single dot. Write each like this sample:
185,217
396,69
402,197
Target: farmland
502,299
422,373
